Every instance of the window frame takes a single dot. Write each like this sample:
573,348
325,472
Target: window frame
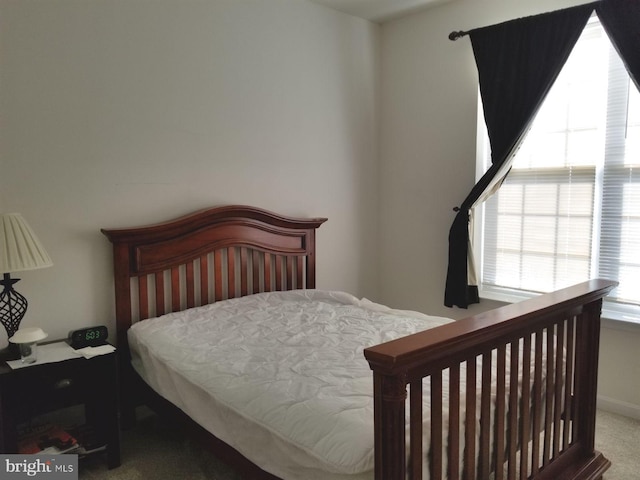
612,310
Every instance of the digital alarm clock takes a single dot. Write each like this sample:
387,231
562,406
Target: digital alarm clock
88,337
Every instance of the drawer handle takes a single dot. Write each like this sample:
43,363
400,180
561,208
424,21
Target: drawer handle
64,383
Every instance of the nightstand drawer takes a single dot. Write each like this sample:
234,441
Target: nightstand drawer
53,386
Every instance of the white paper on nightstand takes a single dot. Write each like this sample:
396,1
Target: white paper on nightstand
49,353
88,352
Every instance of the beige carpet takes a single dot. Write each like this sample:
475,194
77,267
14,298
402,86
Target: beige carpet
155,451
618,438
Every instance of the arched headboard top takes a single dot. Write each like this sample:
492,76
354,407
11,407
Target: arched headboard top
209,218
163,245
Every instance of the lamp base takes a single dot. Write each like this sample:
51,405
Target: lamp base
11,352
13,305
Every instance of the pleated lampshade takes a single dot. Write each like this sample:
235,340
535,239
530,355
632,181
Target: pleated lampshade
20,249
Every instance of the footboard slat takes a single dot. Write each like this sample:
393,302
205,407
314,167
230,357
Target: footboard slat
435,450
500,433
512,422
551,393
550,396
559,391
484,464
469,470
453,466
537,401
526,411
528,385
568,399
415,429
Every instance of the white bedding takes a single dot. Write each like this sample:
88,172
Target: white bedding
279,376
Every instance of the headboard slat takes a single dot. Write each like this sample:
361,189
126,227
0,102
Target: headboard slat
217,259
256,261
279,261
175,289
268,272
290,276
204,279
143,297
160,301
190,284
231,273
244,290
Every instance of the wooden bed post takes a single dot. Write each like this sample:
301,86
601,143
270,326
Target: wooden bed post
390,394
588,345
123,317
123,290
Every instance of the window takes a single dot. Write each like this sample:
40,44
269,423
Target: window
570,208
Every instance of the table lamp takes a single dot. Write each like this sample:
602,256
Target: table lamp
20,250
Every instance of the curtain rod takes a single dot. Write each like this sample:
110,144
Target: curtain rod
453,36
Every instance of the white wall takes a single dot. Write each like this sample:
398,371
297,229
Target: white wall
428,154
120,113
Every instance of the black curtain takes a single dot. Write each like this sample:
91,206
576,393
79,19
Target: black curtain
621,20
517,63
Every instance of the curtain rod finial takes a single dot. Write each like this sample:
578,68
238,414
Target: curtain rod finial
453,36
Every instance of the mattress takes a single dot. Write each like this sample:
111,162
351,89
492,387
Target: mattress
279,376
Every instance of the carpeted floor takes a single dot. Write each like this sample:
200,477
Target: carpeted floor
155,451
618,438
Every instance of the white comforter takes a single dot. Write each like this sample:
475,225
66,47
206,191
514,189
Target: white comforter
279,376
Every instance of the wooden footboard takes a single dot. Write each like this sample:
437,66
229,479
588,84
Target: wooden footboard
521,395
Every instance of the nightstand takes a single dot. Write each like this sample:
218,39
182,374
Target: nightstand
43,388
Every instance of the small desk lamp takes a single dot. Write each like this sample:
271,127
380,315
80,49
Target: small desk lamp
20,250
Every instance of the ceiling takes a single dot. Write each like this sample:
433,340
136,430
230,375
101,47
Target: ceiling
378,10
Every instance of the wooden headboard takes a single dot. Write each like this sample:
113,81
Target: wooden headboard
211,255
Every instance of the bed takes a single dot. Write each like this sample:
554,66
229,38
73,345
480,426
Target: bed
506,394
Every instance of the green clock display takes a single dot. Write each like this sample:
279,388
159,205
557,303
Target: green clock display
88,337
